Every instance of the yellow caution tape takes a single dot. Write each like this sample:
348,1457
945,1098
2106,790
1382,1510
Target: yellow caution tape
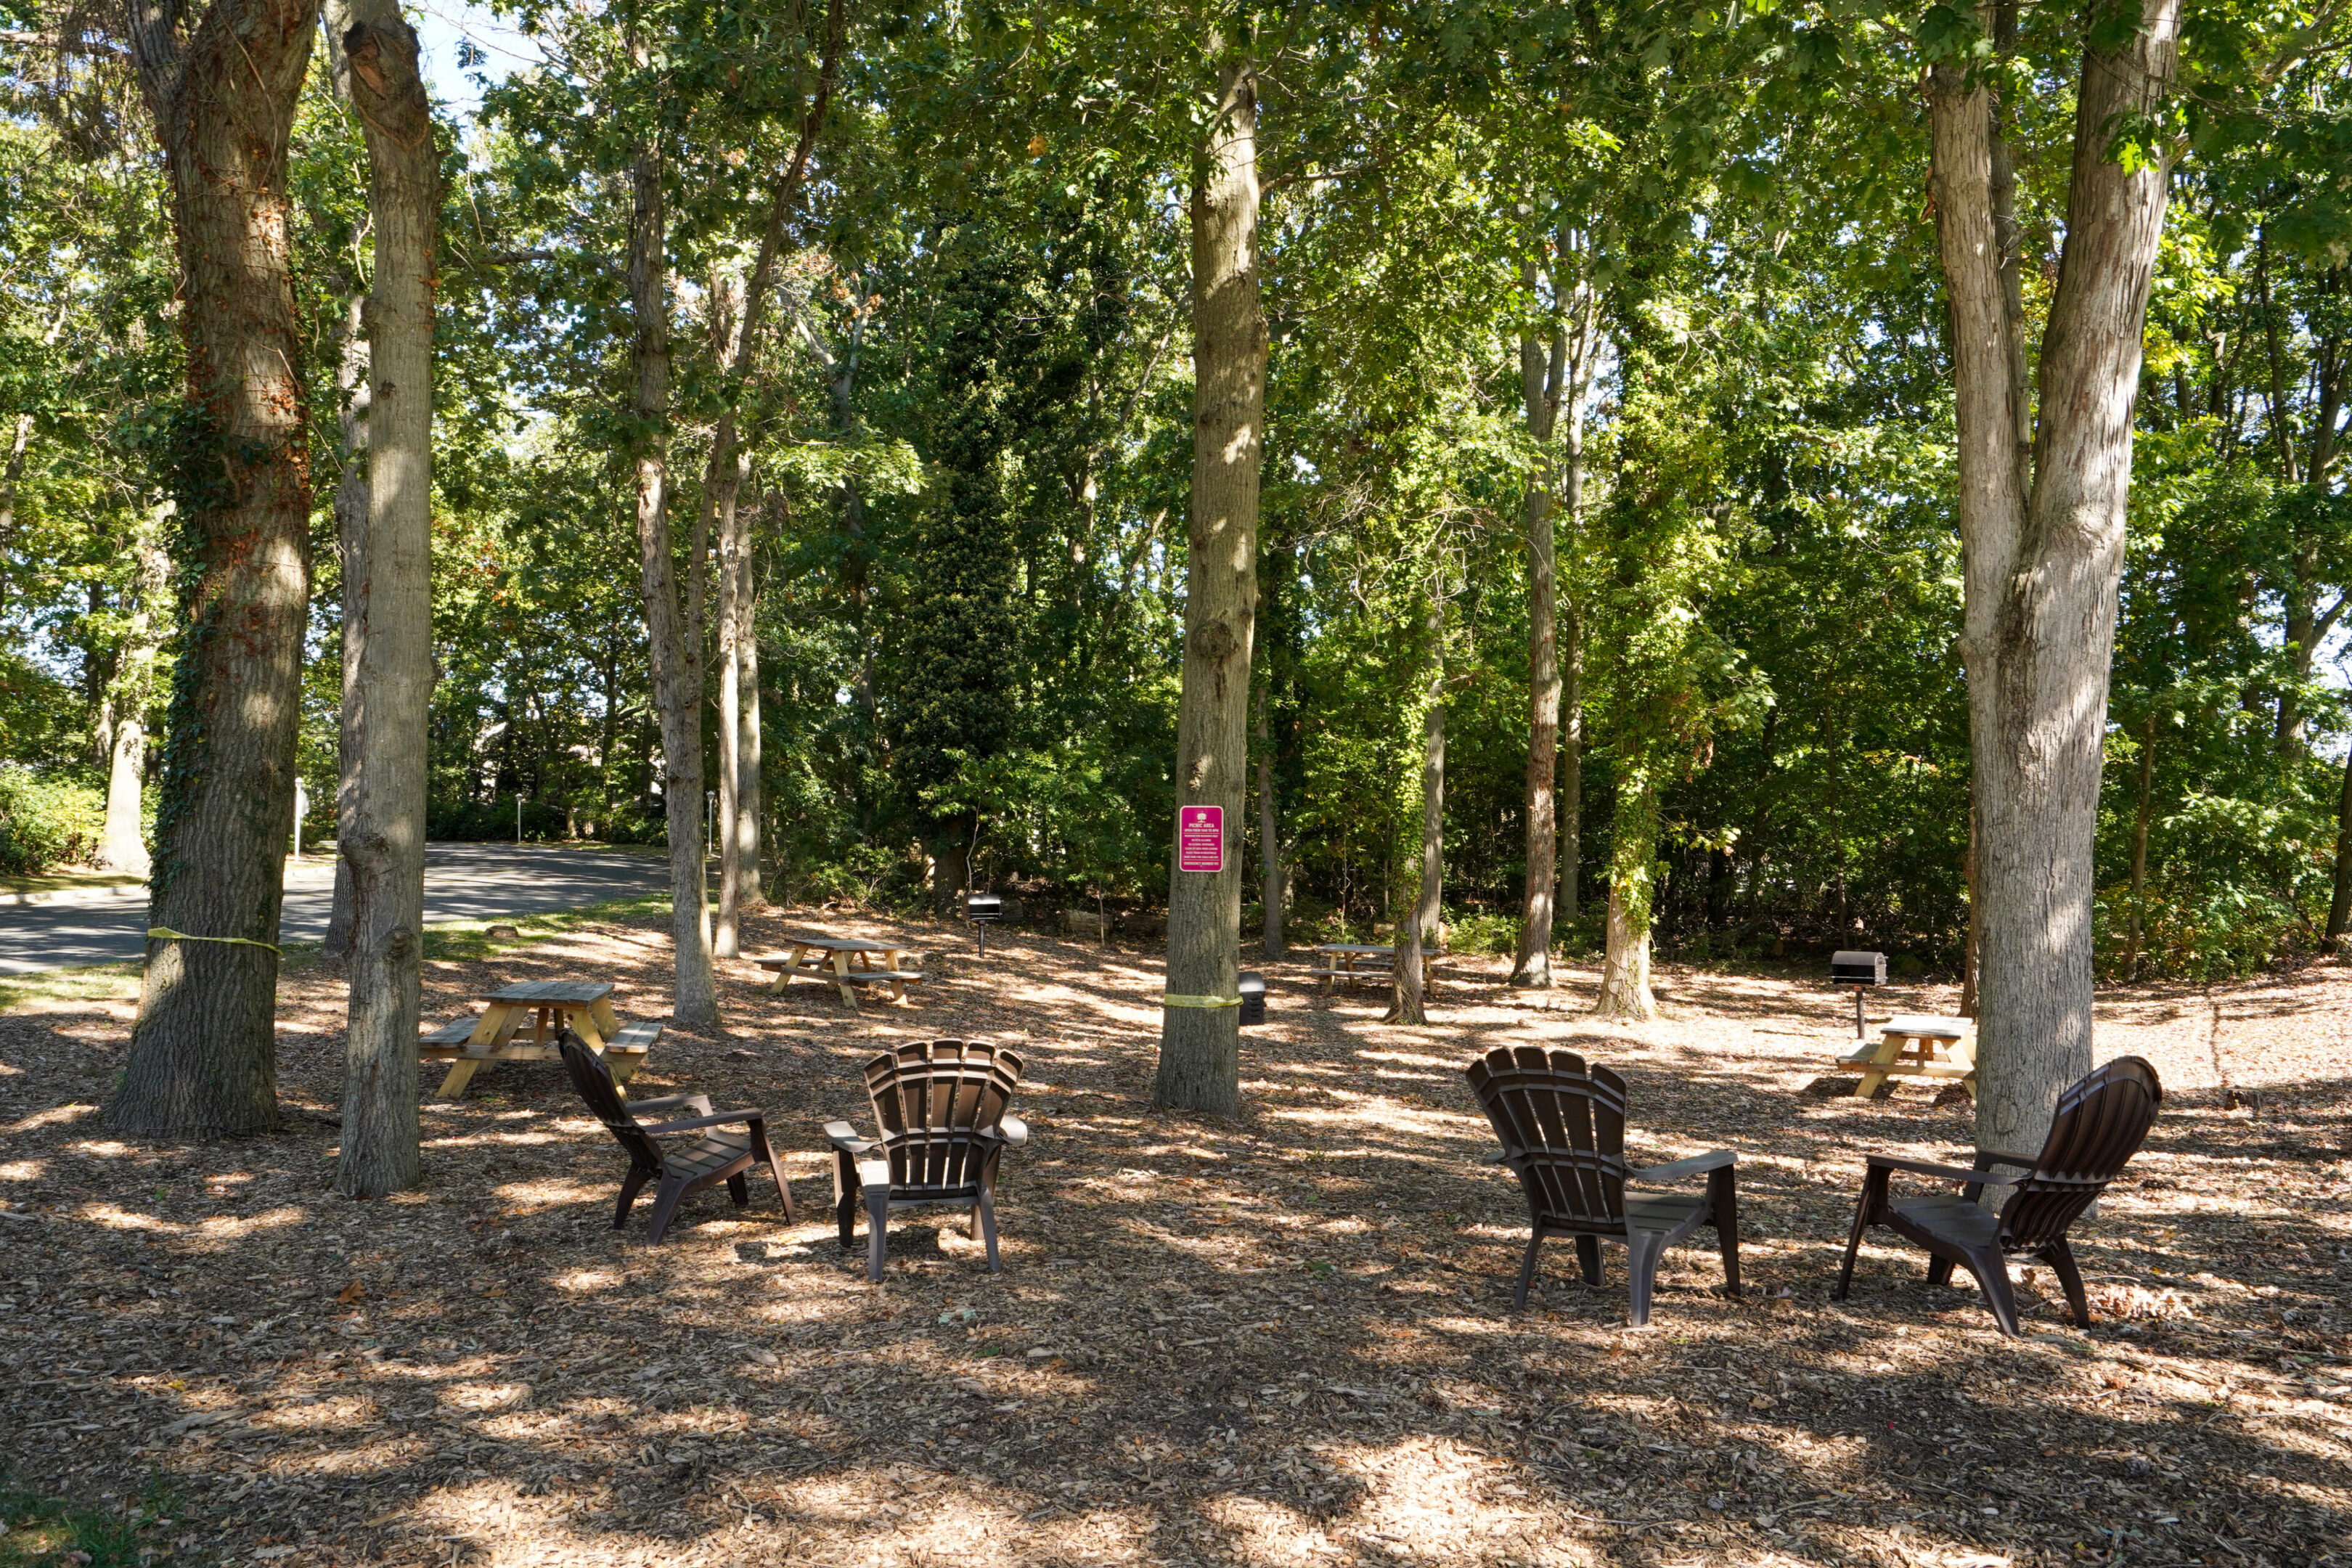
165,934
1210,1001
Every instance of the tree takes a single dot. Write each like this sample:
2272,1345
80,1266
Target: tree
381,831
1200,1034
203,1055
1420,928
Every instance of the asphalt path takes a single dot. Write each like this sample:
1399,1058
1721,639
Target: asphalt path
462,882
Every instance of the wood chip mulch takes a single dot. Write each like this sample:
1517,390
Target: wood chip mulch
1285,1339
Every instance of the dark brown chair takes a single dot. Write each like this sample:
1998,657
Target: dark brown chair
2098,1127
1562,1124
940,1105
714,1157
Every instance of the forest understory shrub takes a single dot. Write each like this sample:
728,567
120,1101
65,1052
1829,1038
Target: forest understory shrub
46,820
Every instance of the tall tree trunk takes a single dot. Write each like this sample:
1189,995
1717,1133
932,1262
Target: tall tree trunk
2340,907
1541,369
2043,555
203,1059
1273,883
1633,884
1420,927
383,840
673,639
12,474
123,846
1200,1047
2139,849
1972,944
353,392
1571,735
722,489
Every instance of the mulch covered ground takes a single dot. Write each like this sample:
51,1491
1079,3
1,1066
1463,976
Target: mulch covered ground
1284,1339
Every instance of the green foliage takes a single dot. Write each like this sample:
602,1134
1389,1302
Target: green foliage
46,820
48,1533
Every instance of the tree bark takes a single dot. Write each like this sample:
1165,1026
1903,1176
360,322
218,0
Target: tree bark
2340,907
2043,555
201,1061
1633,884
350,547
390,693
123,846
1200,1047
1423,917
675,642
1540,370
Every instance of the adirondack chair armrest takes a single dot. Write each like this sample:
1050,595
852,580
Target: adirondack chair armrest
843,1137
1714,1160
1923,1168
1988,1158
1013,1131
751,1118
700,1102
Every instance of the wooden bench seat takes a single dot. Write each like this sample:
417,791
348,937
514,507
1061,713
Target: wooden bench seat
454,1043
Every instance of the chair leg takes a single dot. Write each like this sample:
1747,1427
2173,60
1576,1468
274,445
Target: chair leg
666,1202
631,1186
2061,1259
1723,1198
878,1220
775,1169
1644,1248
1588,1258
739,1190
971,1223
1992,1269
1527,1269
1939,1269
845,1199
1865,1209
986,1210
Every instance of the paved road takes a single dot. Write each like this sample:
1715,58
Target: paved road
462,882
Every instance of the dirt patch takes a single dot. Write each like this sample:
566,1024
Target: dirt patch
1283,1340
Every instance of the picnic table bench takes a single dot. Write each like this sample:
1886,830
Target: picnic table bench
520,1024
1913,1046
829,958
1354,962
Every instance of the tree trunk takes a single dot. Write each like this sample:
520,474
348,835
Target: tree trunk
1273,887
350,545
1971,945
123,847
2044,556
1423,917
383,839
1200,1047
723,485
2340,907
675,643
2139,849
201,1061
1633,883
1571,739
1540,387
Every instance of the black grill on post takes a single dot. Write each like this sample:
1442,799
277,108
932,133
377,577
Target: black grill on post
1860,970
1252,998
982,910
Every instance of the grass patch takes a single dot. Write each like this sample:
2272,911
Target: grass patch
44,1532
90,983
59,881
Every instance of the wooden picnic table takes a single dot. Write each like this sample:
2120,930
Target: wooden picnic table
831,958
520,1024
1355,961
1915,1046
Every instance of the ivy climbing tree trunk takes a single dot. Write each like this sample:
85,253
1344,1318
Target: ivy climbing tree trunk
1200,1047
672,635
1633,884
381,834
2042,535
1541,369
1420,928
203,1060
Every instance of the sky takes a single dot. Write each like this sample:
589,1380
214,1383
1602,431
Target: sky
441,25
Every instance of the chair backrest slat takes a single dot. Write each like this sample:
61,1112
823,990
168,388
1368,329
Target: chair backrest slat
1562,1127
594,1080
2098,1126
933,1100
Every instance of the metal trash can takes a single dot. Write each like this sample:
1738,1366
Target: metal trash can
1858,970
1252,998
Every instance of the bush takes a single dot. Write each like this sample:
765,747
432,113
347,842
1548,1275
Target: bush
45,821
1483,931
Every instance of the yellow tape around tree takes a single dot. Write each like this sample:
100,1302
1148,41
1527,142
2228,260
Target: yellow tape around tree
165,934
1210,1002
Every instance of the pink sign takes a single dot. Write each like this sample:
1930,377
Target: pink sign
1200,838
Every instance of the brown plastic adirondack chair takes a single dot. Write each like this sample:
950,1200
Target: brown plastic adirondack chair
1562,1124
2099,1125
716,1156
940,1105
